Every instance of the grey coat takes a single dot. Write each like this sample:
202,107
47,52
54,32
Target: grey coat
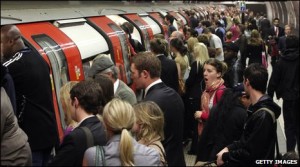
124,92
15,150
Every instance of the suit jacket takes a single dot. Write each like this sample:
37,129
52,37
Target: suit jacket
273,33
71,151
124,92
173,108
169,72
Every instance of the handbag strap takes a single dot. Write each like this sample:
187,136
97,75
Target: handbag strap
100,155
89,136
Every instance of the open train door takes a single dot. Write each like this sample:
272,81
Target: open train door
118,41
159,18
61,54
145,29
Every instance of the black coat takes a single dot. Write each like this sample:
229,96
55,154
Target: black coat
169,72
221,131
173,108
258,138
71,151
31,76
285,76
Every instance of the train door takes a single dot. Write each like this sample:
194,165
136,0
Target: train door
153,24
90,42
145,29
119,44
179,20
156,16
62,56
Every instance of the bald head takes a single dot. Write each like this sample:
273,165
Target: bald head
177,34
11,41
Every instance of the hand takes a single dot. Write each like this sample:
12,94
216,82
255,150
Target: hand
198,114
219,156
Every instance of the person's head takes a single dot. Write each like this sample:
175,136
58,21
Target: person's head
287,29
254,34
177,34
66,101
213,70
87,96
276,22
200,53
206,31
291,41
229,35
191,43
255,76
157,46
235,21
177,45
127,27
160,36
149,121
169,19
119,118
241,94
102,64
230,51
106,85
204,39
11,41
145,68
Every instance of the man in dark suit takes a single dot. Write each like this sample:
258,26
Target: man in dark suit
275,33
281,41
169,72
145,73
87,101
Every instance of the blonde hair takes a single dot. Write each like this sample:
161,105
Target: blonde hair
200,53
191,43
151,118
66,102
119,117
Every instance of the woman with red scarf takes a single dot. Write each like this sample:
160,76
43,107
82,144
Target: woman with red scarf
213,71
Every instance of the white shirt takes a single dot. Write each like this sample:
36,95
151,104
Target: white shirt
116,85
153,83
84,119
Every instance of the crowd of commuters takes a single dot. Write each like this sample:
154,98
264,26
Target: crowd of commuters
204,82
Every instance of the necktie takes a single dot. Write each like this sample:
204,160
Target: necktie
276,31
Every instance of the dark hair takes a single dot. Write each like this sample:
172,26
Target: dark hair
170,18
148,62
178,45
203,38
106,85
220,66
292,41
89,95
257,76
157,46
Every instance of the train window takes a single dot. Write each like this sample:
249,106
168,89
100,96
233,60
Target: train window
58,64
145,32
182,18
88,40
125,50
120,20
154,26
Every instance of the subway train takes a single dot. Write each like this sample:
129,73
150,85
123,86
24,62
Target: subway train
69,34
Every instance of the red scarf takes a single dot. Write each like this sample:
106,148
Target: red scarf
208,93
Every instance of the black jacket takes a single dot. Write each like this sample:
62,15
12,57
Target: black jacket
258,139
173,108
284,80
71,151
31,76
169,73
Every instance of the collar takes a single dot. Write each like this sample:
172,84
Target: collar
84,119
153,83
116,85
160,55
